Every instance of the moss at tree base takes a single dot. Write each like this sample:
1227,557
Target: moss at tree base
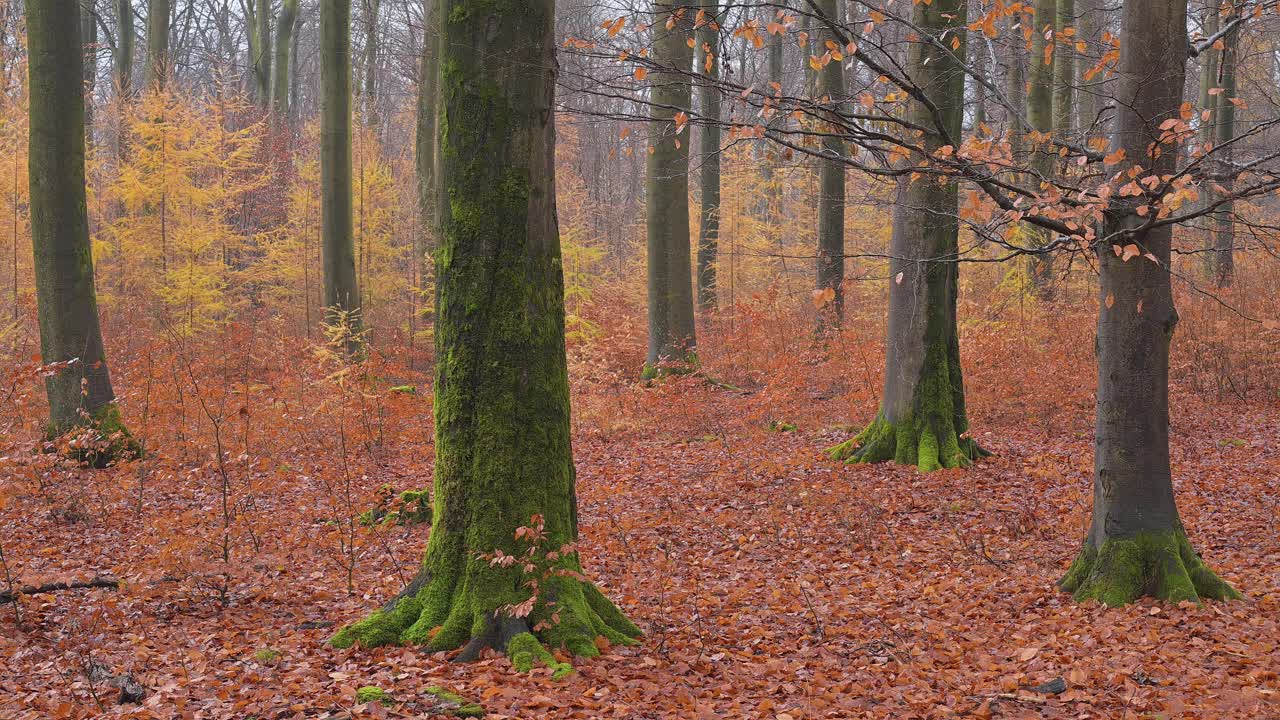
441,620
909,442
100,440
1161,565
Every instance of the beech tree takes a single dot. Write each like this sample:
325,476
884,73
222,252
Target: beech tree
157,42
124,47
708,63
1137,544
672,337
503,451
79,383
284,43
341,292
829,275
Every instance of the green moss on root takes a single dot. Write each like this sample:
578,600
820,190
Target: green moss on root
103,439
1162,565
909,442
527,652
372,693
451,703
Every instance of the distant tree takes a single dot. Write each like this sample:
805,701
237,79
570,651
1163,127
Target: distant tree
124,47
672,336
157,42
341,292
260,32
1040,116
79,384
829,275
1137,544
922,419
284,44
708,63
503,448
1224,117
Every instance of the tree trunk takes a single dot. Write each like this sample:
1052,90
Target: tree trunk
79,388
425,140
1137,544
1016,79
708,55
124,48
1207,135
1040,116
1064,68
1225,117
671,329
341,293
829,270
262,52
1089,100
503,450
372,10
157,43
922,417
89,36
284,44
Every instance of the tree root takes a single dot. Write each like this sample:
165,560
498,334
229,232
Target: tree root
1162,565
571,614
909,443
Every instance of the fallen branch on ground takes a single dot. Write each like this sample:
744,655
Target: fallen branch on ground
98,582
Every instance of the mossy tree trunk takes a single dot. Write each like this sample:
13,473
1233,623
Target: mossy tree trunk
922,417
262,52
829,266
671,330
503,451
708,63
1137,544
341,293
157,43
1040,117
1224,235
124,48
79,389
280,71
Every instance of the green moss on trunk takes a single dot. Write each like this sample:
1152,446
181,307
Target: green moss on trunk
1161,565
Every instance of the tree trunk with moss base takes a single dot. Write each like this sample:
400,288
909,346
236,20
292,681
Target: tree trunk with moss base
1137,544
671,327
80,394
922,417
341,292
503,452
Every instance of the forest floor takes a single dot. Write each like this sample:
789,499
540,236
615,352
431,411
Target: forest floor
770,581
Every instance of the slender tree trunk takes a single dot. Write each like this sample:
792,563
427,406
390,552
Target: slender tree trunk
284,45
79,386
425,140
157,43
501,367
89,35
1207,135
708,55
262,52
922,419
1137,544
1064,68
1224,219
1089,101
124,48
829,270
372,10
1040,116
671,328
341,292
1016,90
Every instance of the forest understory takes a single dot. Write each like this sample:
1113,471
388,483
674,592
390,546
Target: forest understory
769,580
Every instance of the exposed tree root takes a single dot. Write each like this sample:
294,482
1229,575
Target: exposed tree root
909,443
571,614
1161,565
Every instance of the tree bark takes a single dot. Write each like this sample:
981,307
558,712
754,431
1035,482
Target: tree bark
157,43
425,139
1040,116
1224,218
1064,69
1137,544
341,292
372,10
124,48
708,57
503,450
671,329
89,36
79,385
284,44
1089,101
1207,133
262,52
922,418
829,270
